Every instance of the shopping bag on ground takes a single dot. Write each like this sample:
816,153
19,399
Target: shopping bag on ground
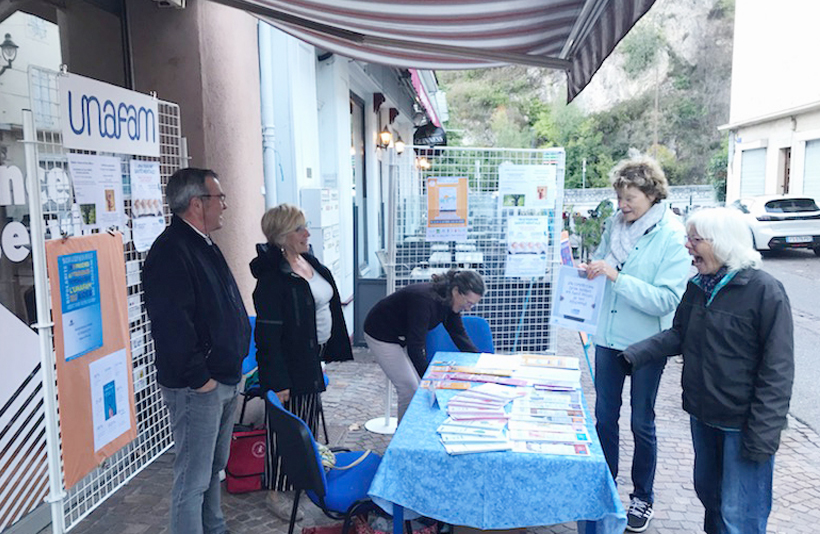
246,463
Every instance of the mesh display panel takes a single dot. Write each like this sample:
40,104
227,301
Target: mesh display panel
516,308
153,430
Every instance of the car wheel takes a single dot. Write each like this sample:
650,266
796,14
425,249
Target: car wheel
817,251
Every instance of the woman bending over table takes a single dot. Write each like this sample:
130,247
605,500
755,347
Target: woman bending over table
396,327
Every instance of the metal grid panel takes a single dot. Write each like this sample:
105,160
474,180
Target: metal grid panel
153,429
517,309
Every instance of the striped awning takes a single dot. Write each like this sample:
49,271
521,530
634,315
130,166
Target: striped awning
571,35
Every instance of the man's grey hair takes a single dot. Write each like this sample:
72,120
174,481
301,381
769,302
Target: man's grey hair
184,185
731,237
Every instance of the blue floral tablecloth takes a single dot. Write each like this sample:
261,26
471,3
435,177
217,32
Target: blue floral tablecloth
498,490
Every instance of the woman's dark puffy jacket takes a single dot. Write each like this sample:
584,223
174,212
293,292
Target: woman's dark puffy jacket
738,357
287,350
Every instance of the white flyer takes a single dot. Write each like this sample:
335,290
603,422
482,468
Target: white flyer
146,203
98,190
526,186
527,245
577,300
108,381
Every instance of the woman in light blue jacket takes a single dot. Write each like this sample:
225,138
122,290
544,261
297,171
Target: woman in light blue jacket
642,254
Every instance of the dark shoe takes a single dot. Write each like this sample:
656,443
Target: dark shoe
638,516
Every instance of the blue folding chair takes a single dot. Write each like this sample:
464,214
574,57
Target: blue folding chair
340,493
438,340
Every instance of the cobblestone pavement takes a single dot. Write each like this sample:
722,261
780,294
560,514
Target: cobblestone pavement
356,394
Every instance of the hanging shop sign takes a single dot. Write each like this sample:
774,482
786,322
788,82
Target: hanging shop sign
105,118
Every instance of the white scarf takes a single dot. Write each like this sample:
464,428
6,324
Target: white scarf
625,236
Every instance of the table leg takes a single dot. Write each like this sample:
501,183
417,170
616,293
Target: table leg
398,519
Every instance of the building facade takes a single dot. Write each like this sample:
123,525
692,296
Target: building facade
774,125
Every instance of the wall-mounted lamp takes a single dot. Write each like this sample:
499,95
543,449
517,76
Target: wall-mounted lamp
398,144
384,138
423,163
9,51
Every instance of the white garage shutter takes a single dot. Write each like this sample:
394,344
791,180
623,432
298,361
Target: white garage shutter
811,170
753,172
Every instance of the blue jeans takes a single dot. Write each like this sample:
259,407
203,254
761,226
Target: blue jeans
609,385
737,493
202,424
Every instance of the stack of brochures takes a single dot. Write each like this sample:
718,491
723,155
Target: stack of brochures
477,419
546,415
549,422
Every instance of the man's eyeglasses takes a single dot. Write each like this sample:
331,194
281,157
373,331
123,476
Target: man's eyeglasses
221,197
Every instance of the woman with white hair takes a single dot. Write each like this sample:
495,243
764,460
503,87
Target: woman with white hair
734,329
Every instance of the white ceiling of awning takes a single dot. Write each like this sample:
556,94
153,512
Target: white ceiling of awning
571,35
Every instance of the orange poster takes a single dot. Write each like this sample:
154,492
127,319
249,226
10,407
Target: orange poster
92,350
447,209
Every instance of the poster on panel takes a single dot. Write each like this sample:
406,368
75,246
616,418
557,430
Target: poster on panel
147,219
527,245
447,207
98,190
96,390
527,186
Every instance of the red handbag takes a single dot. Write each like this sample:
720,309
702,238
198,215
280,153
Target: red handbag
246,463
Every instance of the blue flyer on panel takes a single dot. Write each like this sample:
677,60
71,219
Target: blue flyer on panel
80,297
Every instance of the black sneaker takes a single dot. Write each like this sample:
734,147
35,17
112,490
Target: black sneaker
638,516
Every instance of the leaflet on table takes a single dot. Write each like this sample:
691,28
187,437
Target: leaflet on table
578,299
463,438
498,361
453,429
544,412
444,384
434,375
546,447
478,416
469,448
441,368
549,375
543,360
535,397
490,424
540,435
550,405
547,427
558,419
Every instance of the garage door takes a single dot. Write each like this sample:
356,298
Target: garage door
753,172
811,170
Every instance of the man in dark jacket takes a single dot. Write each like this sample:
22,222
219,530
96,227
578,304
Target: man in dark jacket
201,331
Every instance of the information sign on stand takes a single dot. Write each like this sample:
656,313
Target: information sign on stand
96,391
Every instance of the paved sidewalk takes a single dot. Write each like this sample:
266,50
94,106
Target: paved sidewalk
356,394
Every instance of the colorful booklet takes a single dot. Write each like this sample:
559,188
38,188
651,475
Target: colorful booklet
453,429
545,447
540,435
470,448
544,360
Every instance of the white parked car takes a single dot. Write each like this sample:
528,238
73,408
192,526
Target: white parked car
782,221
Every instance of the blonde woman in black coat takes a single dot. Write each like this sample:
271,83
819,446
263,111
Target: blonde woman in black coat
299,324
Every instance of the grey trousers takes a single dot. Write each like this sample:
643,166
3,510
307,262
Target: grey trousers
202,424
396,364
